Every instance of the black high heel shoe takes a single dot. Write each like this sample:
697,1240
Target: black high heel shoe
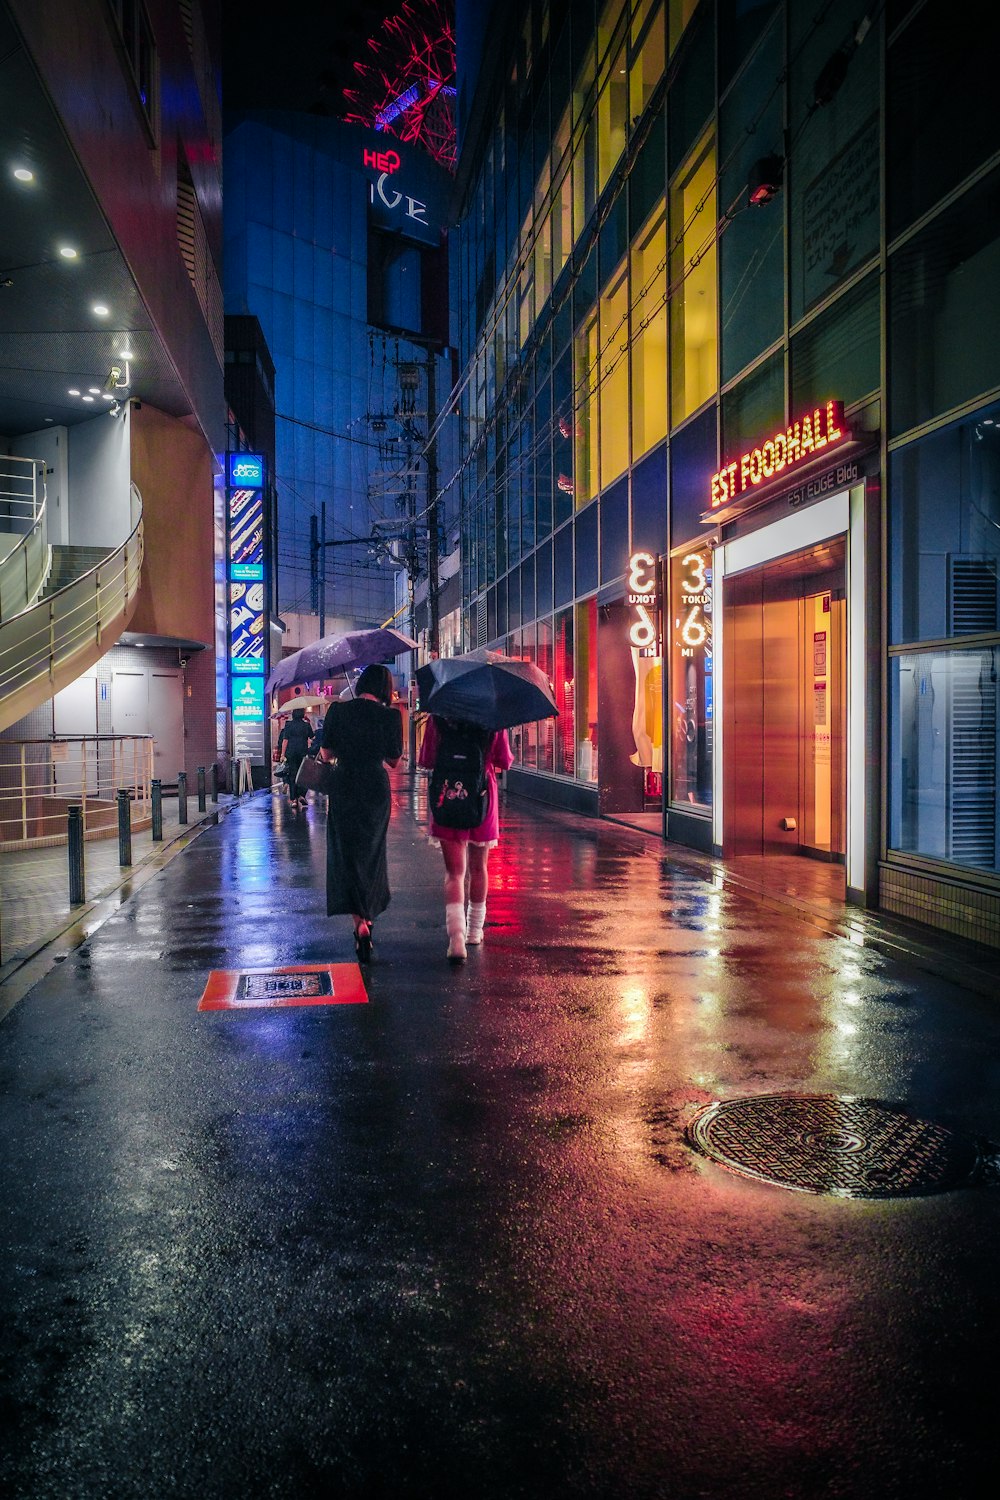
363,944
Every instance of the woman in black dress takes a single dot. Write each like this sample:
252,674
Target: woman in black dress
361,737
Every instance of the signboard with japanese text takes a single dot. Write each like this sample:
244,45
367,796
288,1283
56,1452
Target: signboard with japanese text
247,600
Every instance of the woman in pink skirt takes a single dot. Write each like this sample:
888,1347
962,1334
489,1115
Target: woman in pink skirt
467,850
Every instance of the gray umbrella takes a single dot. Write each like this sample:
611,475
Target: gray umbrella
486,688
335,653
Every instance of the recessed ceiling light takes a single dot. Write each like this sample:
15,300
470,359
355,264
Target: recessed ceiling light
48,419
126,354
87,398
106,396
68,252
100,309
95,390
73,391
23,175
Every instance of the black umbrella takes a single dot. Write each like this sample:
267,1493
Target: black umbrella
485,688
335,653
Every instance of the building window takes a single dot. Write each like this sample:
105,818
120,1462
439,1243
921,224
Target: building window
648,56
612,103
693,302
564,688
586,692
135,38
614,362
649,334
586,376
945,709
944,533
545,662
691,681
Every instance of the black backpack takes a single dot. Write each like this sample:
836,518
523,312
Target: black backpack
457,790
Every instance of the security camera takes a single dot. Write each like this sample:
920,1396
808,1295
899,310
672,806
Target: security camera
184,660
114,376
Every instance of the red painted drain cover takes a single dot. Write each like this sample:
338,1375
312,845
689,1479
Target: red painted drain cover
274,989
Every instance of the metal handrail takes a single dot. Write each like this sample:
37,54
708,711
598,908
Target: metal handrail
45,637
41,778
22,515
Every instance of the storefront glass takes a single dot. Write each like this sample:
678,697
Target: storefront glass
945,714
565,693
691,682
586,691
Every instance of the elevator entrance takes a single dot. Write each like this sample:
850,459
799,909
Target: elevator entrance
784,700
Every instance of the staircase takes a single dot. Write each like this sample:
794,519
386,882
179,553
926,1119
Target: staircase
86,602
68,564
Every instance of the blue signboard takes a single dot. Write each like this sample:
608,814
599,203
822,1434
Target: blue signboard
243,666
245,471
248,699
241,572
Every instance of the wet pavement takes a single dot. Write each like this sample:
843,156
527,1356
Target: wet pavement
453,1242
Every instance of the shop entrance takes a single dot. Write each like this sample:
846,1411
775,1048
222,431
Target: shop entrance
785,706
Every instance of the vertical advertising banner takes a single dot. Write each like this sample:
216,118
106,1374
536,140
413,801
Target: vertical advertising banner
247,601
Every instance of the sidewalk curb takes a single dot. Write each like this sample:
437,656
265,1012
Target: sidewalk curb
28,965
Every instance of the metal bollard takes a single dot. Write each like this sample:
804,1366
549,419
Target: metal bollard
201,788
124,827
156,798
182,797
234,775
77,878
213,780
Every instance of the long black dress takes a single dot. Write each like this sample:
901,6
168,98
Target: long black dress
361,734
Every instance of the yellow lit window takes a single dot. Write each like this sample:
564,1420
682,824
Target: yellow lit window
612,116
648,62
614,377
649,334
693,298
562,223
585,378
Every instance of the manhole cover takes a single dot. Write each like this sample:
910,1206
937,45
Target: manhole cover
821,1143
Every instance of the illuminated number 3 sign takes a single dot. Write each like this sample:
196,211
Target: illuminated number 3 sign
642,597
694,597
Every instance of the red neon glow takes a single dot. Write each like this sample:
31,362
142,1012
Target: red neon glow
382,161
821,428
407,89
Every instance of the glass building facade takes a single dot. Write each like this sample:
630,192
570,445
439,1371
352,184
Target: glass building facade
729,404
335,243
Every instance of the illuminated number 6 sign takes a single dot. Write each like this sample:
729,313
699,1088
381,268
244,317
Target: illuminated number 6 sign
642,597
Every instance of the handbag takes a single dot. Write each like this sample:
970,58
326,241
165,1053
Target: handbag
312,774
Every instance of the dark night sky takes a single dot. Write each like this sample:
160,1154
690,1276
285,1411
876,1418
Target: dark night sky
294,56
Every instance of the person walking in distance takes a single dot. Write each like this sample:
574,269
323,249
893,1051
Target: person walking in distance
295,735
464,806
360,739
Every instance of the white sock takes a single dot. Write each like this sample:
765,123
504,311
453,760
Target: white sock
477,921
454,921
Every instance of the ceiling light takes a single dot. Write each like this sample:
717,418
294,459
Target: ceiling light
127,354
73,391
68,252
23,175
87,398
106,396
100,309
95,390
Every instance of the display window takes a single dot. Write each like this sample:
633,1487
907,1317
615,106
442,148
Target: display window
563,682
691,684
586,691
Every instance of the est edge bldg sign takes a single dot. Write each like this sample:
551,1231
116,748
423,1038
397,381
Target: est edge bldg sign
246,591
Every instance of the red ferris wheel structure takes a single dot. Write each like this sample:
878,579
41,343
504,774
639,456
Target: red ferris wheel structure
406,87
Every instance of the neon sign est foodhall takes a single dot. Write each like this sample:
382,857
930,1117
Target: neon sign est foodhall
787,450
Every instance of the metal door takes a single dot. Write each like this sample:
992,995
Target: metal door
166,723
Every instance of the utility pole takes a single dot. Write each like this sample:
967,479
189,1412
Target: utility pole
433,617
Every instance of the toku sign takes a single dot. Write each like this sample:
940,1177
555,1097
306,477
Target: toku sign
642,596
806,438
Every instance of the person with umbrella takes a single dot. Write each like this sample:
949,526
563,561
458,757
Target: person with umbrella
295,735
466,851
360,738
472,701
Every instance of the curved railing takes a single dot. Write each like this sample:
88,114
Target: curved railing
41,779
50,643
24,551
